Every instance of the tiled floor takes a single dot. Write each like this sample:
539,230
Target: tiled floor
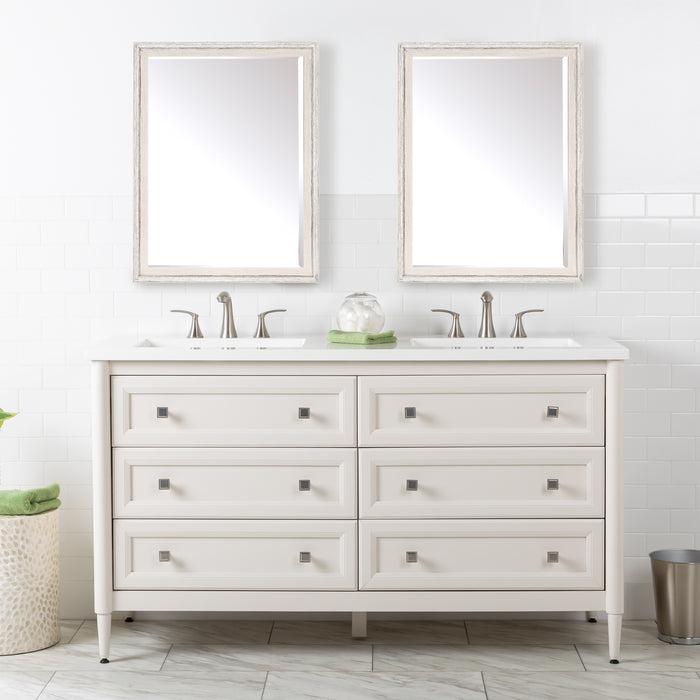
406,660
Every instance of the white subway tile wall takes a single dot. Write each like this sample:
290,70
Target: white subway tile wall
65,265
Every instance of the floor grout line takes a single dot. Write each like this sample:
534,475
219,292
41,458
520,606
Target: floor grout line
580,658
466,631
267,675
41,692
483,682
165,658
272,627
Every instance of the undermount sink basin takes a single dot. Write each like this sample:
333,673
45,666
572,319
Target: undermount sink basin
494,343
222,343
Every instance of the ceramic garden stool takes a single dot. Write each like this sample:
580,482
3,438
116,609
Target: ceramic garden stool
28,582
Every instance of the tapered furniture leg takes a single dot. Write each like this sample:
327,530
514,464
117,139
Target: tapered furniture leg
359,624
104,632
592,615
614,636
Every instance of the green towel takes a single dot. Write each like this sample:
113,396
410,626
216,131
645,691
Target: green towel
29,502
360,338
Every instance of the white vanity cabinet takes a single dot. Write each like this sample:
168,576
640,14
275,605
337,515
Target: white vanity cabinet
382,480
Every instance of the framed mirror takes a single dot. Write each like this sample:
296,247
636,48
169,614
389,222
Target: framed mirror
226,162
490,162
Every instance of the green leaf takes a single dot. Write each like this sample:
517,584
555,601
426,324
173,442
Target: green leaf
4,416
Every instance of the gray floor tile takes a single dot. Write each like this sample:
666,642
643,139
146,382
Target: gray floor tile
548,632
381,631
126,685
180,632
273,657
591,686
17,685
69,629
373,686
85,657
444,657
656,658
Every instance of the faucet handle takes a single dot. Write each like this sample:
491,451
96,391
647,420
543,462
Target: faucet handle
518,330
195,330
261,330
455,329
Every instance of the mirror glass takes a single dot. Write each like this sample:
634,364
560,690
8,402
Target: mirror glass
226,162
490,162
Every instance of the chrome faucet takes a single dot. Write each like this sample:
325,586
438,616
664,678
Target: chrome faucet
261,330
228,328
455,329
486,328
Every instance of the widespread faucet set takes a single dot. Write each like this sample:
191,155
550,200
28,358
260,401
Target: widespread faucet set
228,327
486,329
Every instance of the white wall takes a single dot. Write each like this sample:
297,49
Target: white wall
65,219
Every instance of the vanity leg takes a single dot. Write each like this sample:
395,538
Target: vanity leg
614,637
592,615
129,617
359,624
104,629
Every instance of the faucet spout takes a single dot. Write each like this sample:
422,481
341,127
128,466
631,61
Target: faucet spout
486,329
228,328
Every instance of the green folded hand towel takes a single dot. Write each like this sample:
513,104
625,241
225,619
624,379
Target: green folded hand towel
29,502
360,338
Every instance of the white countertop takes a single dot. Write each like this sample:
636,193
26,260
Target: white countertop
317,349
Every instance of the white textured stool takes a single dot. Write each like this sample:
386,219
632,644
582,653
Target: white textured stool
28,582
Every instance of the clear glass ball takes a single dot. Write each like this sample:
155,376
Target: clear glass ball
360,312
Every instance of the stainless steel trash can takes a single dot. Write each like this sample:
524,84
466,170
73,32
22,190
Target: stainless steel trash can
676,574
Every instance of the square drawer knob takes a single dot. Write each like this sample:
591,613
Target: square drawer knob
164,555
411,484
411,557
164,484
162,412
409,412
552,484
552,557
304,484
304,412
552,411
304,557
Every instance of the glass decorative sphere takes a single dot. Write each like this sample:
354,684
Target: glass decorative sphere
360,312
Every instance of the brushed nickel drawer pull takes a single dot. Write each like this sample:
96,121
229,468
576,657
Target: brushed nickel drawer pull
552,411
164,555
411,557
163,484
162,412
552,557
409,412
304,413
411,484
552,484
304,484
304,557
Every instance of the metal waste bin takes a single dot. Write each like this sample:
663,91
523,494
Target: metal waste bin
676,574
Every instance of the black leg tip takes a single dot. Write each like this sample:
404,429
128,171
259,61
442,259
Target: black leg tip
614,661
128,619
592,619
104,661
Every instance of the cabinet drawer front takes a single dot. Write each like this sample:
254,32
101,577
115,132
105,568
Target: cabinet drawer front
484,482
235,411
234,555
482,410
481,554
217,482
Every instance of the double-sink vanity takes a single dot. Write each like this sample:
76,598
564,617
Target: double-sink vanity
433,475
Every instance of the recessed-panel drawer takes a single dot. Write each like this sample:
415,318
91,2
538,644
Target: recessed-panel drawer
481,554
233,411
484,482
220,482
482,410
234,554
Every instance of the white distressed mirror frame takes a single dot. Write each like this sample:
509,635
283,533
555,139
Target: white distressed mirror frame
573,270
309,272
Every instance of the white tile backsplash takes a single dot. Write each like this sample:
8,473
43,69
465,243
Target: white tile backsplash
67,281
